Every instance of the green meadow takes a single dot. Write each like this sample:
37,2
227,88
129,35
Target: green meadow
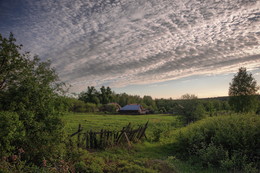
116,122
154,154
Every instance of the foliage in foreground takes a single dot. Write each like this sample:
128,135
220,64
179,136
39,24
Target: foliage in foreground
229,142
30,106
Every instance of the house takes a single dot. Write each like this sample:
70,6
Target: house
133,109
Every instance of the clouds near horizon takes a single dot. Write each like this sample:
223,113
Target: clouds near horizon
120,42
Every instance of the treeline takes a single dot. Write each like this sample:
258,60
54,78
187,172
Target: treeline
191,108
94,100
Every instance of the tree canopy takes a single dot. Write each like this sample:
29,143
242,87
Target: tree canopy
242,91
30,95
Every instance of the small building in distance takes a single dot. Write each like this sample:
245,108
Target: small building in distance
132,109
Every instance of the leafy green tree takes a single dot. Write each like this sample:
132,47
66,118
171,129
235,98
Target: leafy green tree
105,95
149,103
189,97
12,63
31,89
90,96
191,108
243,92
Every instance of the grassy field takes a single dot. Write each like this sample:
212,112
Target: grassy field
116,122
152,155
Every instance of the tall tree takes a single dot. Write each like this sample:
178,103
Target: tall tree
29,90
105,95
90,96
243,92
12,63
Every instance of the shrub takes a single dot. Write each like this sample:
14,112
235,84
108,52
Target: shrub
91,107
230,142
110,108
12,131
80,106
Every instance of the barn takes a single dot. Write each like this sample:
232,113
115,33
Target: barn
132,109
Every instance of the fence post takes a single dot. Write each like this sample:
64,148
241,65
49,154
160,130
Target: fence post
95,140
101,138
87,140
91,139
79,129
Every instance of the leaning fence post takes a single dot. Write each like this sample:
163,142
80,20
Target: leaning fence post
79,129
129,143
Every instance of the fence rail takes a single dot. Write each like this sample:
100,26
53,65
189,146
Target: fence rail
106,138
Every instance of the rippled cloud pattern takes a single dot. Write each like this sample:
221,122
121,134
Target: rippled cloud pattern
126,42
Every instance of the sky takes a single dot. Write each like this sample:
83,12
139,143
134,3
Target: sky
161,48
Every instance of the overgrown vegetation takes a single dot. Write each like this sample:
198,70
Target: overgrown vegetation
227,142
30,107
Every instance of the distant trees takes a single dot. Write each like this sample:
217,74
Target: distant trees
149,103
105,95
189,97
92,95
243,92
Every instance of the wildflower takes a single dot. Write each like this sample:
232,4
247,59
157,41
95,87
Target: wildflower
44,162
14,157
4,158
21,151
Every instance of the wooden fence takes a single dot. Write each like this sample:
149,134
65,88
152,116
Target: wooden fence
106,138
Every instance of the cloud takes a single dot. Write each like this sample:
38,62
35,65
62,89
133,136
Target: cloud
119,42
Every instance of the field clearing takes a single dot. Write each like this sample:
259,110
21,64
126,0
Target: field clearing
150,155
97,122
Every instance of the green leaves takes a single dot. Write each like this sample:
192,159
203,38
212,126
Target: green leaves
243,91
12,132
29,88
230,142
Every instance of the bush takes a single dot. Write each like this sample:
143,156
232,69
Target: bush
230,142
80,106
91,107
110,108
12,132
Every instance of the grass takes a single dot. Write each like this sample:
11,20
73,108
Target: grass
146,156
113,122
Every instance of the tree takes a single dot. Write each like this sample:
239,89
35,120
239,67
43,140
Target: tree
191,108
189,97
105,95
243,92
12,63
90,96
30,93
149,103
